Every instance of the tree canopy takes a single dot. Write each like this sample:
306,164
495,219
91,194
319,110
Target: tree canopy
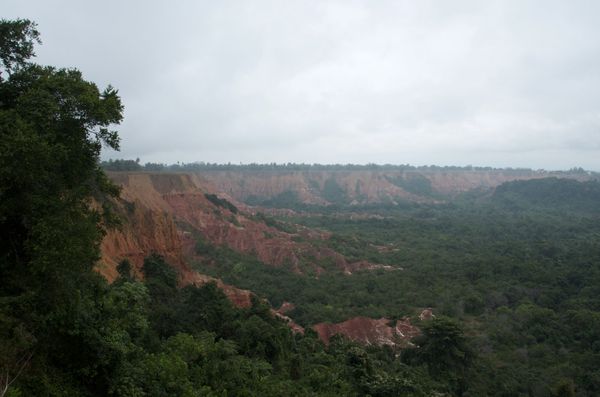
53,125
17,39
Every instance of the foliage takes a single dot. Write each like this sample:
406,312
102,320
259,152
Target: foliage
550,193
221,202
333,192
53,125
17,39
295,167
413,183
286,199
443,347
121,165
522,282
272,222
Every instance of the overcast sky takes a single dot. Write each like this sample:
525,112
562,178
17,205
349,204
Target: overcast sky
506,83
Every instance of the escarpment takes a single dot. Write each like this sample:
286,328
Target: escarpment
287,189
172,214
169,213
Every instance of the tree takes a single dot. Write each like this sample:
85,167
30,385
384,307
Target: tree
124,269
53,125
443,347
15,352
16,43
564,388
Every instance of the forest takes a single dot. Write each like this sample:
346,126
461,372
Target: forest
512,276
518,269
135,165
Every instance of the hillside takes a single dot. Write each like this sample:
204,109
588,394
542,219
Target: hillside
550,193
180,217
290,189
522,253
177,214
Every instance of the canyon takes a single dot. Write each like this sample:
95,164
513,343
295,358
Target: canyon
172,213
362,187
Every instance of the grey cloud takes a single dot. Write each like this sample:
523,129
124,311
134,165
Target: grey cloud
507,83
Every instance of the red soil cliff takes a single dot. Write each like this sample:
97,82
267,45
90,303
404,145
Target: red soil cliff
370,331
163,211
365,187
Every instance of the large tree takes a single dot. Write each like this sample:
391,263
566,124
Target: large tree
53,125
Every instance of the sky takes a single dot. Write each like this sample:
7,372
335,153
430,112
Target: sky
486,83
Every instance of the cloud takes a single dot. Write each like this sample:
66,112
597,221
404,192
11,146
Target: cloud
489,83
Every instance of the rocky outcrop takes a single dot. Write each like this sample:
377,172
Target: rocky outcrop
148,226
361,186
309,187
281,314
145,231
241,298
370,331
165,213
142,232
426,314
286,307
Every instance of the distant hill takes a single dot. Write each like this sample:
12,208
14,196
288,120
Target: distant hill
293,189
297,186
559,193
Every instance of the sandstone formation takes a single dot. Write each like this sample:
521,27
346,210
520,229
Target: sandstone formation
370,331
364,187
167,213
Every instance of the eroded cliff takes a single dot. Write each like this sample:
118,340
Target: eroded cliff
287,188
169,213
370,331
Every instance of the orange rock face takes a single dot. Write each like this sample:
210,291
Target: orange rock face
363,187
360,186
149,226
165,214
163,211
144,231
157,205
370,331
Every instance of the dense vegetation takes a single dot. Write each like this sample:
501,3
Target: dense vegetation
134,165
64,331
221,202
520,269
